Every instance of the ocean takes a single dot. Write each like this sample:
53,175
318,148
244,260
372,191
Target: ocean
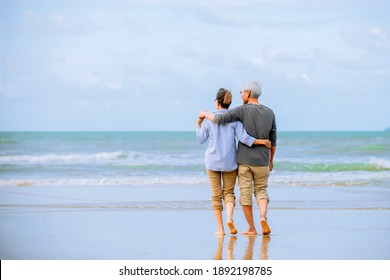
146,196
310,159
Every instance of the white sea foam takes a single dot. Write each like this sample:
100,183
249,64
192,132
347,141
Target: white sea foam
110,159
277,178
341,159
379,161
121,157
137,181
348,178
56,158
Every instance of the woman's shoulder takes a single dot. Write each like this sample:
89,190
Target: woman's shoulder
231,125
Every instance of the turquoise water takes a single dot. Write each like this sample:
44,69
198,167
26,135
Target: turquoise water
146,195
175,158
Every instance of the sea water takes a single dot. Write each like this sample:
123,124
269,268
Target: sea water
344,159
146,195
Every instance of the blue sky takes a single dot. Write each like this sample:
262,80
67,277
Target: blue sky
153,65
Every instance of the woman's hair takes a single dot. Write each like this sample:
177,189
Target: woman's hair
224,98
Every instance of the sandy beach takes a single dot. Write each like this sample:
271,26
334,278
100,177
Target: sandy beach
307,224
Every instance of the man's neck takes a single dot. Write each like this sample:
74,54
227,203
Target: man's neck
253,101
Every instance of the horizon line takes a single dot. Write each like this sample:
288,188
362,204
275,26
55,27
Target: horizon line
90,131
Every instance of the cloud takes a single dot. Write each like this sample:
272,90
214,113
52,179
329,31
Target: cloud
372,37
185,50
350,59
94,55
227,19
273,55
306,78
134,25
82,103
210,4
87,78
51,22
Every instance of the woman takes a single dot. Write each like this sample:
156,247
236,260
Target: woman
220,158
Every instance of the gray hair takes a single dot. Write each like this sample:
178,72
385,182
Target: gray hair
253,87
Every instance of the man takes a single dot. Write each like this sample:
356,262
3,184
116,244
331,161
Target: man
256,162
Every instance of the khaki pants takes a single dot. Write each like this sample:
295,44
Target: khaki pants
222,187
252,179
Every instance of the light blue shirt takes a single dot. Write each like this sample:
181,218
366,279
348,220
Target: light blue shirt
221,151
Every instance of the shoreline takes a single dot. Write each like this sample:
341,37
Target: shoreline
174,223
188,235
189,197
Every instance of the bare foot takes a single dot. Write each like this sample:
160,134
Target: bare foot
265,227
232,228
249,232
220,232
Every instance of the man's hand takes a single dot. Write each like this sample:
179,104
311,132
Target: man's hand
202,114
199,122
271,165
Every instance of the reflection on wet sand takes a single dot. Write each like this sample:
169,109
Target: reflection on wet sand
249,248
251,239
218,254
264,247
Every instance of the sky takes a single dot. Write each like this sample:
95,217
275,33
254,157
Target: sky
132,65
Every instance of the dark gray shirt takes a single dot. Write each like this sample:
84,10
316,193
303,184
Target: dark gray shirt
259,122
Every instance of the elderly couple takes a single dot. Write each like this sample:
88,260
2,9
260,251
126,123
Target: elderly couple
254,157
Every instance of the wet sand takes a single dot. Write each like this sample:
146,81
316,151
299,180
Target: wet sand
307,224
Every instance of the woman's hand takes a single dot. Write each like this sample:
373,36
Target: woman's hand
267,143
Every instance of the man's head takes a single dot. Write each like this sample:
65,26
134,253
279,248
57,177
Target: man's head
250,90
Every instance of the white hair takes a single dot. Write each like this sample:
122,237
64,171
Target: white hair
253,87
